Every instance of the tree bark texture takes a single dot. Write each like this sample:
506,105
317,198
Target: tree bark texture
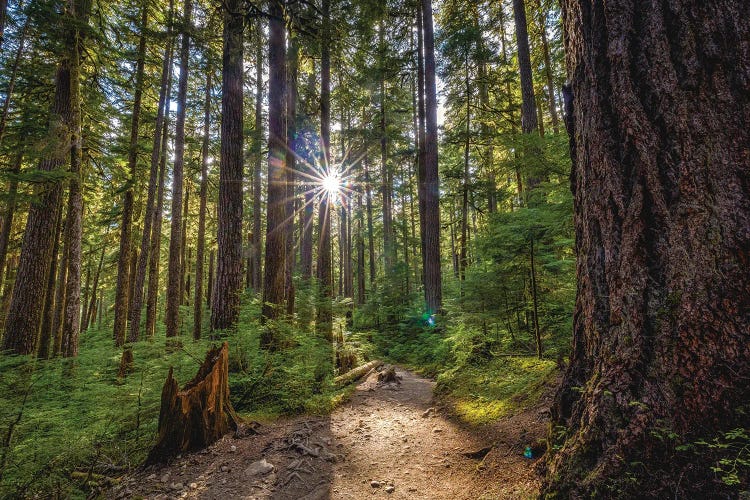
273,280
433,274
27,303
257,242
172,315
198,415
153,180
225,309
201,244
661,340
528,103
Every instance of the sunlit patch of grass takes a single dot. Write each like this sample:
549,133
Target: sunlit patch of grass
479,394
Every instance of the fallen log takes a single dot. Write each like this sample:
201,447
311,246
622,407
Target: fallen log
198,415
357,373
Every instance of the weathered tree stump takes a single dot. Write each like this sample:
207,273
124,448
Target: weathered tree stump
196,416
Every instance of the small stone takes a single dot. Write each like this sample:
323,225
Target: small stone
165,478
151,477
375,484
233,448
390,488
224,468
259,468
176,486
427,412
437,429
193,486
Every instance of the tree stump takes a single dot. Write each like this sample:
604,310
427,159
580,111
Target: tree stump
196,416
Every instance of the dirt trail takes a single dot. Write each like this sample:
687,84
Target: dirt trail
387,441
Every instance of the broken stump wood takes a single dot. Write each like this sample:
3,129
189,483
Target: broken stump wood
357,373
198,415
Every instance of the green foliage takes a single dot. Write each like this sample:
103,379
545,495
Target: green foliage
480,393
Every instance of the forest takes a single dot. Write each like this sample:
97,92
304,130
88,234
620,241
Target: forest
313,249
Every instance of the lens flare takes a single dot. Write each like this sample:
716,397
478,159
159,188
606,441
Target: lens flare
332,184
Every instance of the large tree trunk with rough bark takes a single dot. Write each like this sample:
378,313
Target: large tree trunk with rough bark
661,343
225,309
432,273
257,237
273,280
198,415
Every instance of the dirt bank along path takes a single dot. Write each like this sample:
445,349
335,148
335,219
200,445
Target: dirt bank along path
387,441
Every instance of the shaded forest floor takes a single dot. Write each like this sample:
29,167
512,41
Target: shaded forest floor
389,440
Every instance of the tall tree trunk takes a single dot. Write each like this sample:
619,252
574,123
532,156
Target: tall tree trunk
385,174
228,286
433,274
57,315
201,249
463,259
370,229
273,280
658,114
308,210
548,69
528,103
184,256
153,180
211,266
152,293
422,134
122,292
257,242
27,303
172,316
86,292
13,74
45,336
89,319
361,292
291,165
10,211
324,319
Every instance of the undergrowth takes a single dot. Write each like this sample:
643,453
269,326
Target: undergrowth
64,415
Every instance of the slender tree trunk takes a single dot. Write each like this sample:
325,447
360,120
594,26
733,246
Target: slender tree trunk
152,294
273,282
385,175
291,165
85,296
13,72
122,292
324,319
463,259
228,286
150,213
62,272
548,70
184,257
172,317
433,274
257,243
308,210
210,287
10,211
528,103
200,251
422,116
89,319
370,230
657,110
45,336
361,292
